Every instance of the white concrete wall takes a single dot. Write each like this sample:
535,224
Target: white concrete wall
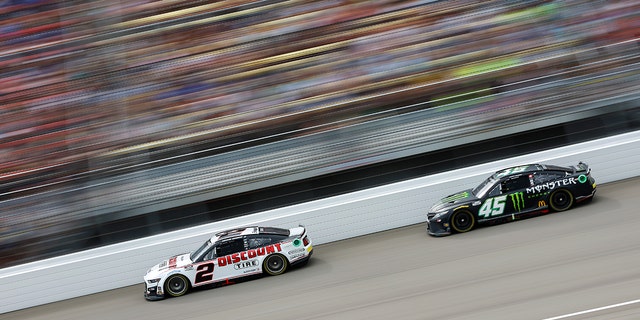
332,219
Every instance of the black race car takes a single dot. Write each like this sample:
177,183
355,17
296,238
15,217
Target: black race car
512,193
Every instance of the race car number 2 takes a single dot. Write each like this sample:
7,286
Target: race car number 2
492,207
204,273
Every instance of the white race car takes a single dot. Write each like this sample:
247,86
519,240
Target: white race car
228,255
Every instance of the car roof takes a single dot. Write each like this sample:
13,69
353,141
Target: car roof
236,231
251,230
556,168
527,168
517,170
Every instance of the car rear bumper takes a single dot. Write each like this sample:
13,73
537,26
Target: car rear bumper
303,261
587,197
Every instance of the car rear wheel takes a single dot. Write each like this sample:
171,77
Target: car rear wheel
462,221
561,200
176,285
275,264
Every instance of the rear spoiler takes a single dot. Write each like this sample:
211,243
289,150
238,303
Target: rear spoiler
298,231
581,167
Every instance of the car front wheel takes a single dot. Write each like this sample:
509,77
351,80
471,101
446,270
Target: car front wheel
462,221
176,285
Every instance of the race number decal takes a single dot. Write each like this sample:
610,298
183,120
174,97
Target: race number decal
204,273
492,207
509,171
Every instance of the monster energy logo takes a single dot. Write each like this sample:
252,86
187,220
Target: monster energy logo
518,200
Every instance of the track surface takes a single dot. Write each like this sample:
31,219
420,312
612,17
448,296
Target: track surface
538,268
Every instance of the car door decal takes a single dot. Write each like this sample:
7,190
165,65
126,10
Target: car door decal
249,254
204,273
517,199
492,207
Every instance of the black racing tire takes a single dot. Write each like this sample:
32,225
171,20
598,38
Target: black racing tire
561,200
176,285
275,264
462,221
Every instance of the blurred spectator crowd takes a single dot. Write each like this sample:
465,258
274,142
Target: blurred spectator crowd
80,78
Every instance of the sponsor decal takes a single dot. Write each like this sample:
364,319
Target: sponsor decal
172,262
542,203
517,199
246,264
537,195
551,185
582,178
456,196
249,254
296,256
296,251
297,242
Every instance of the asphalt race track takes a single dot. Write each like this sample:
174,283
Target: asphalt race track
584,262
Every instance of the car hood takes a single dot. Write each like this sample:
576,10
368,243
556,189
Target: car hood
178,261
453,200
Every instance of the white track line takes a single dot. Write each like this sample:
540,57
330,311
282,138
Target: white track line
594,310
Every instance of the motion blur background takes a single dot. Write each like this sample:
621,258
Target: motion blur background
123,119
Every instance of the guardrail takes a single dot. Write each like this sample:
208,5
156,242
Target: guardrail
331,219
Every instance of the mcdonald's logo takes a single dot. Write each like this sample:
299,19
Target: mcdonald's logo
542,203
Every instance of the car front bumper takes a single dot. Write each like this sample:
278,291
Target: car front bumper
152,294
438,227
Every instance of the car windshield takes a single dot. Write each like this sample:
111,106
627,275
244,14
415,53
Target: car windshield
200,251
484,187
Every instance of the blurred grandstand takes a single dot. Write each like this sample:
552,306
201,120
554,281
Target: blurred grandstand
115,110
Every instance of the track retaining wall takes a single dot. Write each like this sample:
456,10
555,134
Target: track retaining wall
327,220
